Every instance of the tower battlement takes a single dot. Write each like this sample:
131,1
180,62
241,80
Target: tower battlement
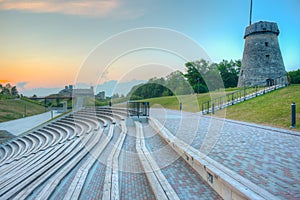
262,27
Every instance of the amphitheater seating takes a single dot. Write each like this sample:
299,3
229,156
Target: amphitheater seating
35,164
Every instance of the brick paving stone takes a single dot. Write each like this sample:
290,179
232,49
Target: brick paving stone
93,187
268,158
185,181
133,183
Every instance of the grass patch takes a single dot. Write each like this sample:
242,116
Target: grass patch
273,109
11,109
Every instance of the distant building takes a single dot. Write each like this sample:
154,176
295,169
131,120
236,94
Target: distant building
84,92
71,91
100,95
67,92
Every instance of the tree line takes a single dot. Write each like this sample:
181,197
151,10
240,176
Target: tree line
200,77
294,76
8,91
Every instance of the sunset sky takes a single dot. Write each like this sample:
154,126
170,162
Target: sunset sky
45,43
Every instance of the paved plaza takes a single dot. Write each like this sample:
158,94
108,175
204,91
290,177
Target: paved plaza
268,157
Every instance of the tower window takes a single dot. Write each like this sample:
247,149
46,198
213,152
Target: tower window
268,56
267,44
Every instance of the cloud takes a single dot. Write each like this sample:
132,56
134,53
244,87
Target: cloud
79,7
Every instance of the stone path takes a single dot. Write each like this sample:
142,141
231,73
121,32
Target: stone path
268,157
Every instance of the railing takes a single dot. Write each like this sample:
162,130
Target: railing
241,95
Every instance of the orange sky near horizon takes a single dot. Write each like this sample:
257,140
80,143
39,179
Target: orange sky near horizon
39,71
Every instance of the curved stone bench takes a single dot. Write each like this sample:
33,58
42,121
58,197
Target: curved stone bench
85,126
66,131
58,134
41,140
48,139
46,192
33,173
25,145
79,128
17,169
111,119
52,136
89,120
64,163
1,152
14,147
69,127
93,117
113,114
34,142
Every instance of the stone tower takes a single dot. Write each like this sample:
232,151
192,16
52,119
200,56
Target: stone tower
262,62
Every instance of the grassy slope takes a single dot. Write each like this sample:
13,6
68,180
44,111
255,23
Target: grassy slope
272,109
14,108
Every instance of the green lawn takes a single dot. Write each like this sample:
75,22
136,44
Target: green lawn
273,109
15,108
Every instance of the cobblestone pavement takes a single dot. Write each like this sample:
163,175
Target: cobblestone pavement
133,183
185,181
268,157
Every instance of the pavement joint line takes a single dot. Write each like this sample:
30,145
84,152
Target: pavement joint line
159,184
234,180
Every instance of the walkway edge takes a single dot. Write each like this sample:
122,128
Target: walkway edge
225,182
158,182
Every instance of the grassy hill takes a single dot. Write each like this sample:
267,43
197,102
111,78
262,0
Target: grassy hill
16,108
273,109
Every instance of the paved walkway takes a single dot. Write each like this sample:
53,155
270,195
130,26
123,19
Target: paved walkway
266,156
19,126
132,179
184,180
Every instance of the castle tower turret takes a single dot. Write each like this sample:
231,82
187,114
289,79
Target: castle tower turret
262,62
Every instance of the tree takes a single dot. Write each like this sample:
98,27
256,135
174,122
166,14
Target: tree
294,76
203,76
14,91
229,72
177,83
